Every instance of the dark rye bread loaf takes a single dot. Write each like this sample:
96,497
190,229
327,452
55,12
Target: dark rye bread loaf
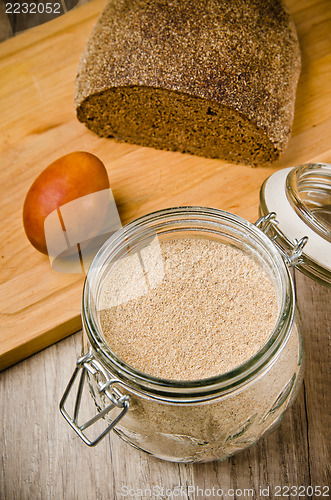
215,78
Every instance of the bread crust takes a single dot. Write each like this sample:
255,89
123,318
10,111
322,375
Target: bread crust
241,55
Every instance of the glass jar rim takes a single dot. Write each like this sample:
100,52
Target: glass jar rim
189,390
317,175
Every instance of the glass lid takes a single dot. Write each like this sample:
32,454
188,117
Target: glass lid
301,199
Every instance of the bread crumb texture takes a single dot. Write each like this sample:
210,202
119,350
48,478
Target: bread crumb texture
210,309
215,78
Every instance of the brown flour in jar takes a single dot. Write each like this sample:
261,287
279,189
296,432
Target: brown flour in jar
213,309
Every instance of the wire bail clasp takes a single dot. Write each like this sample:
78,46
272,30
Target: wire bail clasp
266,221
105,386
292,258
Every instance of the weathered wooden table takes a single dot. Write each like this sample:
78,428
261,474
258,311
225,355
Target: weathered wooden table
41,457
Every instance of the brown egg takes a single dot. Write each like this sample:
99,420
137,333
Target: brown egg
71,177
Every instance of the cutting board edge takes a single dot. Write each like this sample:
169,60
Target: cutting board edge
36,344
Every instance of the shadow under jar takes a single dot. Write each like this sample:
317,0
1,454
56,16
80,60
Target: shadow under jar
188,420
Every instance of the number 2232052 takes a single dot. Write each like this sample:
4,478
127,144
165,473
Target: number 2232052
33,8
302,491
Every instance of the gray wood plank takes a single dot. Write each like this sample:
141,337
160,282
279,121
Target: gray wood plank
5,27
314,302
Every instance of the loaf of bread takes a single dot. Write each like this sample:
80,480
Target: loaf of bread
215,78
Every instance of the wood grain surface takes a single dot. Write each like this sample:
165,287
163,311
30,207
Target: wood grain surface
39,306
43,458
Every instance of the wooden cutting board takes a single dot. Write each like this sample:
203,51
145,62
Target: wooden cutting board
39,306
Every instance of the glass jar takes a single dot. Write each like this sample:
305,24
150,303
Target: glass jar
196,420
301,198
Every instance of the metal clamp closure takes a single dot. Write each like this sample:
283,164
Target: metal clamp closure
267,223
105,386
